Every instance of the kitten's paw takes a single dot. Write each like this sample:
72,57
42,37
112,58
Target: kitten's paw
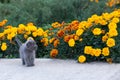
30,65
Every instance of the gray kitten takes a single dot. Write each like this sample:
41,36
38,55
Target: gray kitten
27,51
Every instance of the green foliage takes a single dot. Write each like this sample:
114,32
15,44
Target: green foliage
47,11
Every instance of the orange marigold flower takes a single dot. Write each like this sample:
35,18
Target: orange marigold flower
53,53
56,42
76,37
60,33
52,40
3,23
66,38
104,38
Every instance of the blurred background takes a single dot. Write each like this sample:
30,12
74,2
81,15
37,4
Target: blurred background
42,12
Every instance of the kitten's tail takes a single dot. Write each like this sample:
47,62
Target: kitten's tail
18,41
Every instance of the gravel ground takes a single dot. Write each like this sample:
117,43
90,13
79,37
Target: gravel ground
55,69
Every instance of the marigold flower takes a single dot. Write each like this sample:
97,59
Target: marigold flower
30,24
52,40
66,38
113,32
76,37
53,53
110,42
88,49
40,31
45,41
60,33
97,31
56,42
71,42
79,32
34,34
3,23
104,38
105,51
56,25
81,59
112,25
97,52
115,20
4,46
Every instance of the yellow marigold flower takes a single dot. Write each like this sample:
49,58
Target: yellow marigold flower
82,25
56,25
106,16
88,49
81,59
30,24
79,32
97,52
4,46
97,31
1,35
110,42
53,53
40,31
113,32
104,38
71,42
105,51
103,22
45,34
9,37
112,25
34,34
115,20
21,26
27,32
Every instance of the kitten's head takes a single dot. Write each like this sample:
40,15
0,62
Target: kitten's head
31,45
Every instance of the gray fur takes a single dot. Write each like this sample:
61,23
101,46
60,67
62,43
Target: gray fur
27,52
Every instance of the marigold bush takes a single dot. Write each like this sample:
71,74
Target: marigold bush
95,39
